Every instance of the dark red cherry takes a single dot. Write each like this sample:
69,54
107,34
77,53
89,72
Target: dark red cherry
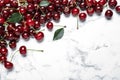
39,36
8,65
23,50
108,14
49,25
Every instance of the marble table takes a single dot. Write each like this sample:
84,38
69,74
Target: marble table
91,52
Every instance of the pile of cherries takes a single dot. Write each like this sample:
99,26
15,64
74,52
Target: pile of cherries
34,16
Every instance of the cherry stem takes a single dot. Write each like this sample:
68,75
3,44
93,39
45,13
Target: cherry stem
60,26
35,50
77,23
27,49
18,2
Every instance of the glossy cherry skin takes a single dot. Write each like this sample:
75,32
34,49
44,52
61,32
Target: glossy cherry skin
4,51
8,65
30,22
3,58
82,16
75,11
108,14
102,2
2,20
90,11
39,36
12,44
112,3
49,25
23,50
117,9
56,16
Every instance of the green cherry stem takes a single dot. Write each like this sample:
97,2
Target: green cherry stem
77,23
12,56
60,26
18,2
35,50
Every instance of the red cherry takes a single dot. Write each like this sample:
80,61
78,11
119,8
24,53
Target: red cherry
56,16
2,20
49,25
108,14
12,44
75,11
8,65
4,51
22,10
117,9
23,50
64,2
102,2
90,11
89,2
39,36
30,22
82,16
112,3
3,58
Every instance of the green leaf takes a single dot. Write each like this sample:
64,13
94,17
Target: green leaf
15,18
44,3
58,34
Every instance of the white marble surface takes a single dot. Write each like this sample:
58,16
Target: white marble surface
90,53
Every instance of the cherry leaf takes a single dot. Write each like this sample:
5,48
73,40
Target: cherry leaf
44,3
15,18
58,34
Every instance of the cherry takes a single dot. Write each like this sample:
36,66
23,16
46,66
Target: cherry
2,20
112,3
98,9
30,22
56,16
64,2
48,16
39,36
30,7
82,16
90,11
2,3
82,6
89,2
25,35
42,19
102,2
12,44
28,16
49,25
5,13
117,9
4,51
108,14
3,58
8,65
17,31
14,3
37,25
50,7
22,10
23,50
75,11
57,3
